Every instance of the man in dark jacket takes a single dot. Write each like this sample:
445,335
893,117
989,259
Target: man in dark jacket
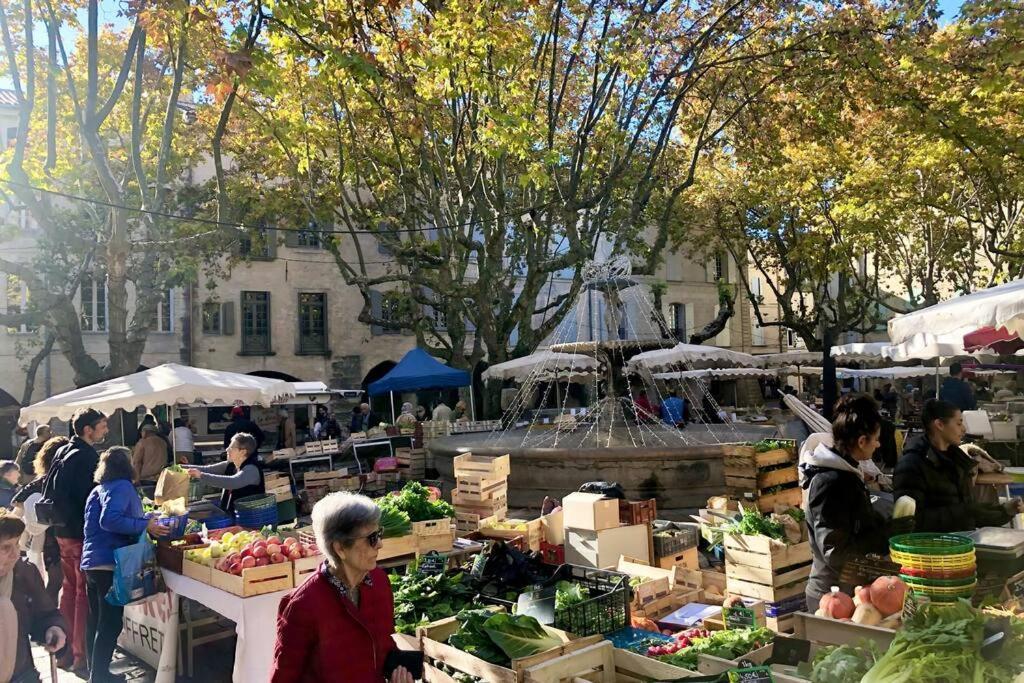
938,475
71,477
957,391
27,453
26,611
240,424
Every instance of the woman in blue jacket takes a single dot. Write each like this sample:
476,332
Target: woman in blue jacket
113,519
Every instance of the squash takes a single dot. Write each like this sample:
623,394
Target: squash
861,596
887,593
836,604
867,614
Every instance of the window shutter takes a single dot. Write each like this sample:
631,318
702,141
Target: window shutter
730,271
227,318
724,337
271,236
709,269
291,237
376,306
689,321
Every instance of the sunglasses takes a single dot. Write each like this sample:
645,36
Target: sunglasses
373,538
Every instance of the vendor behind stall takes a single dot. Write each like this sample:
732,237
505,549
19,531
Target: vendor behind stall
841,522
240,475
939,476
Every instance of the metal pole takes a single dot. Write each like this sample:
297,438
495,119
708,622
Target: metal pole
472,405
391,400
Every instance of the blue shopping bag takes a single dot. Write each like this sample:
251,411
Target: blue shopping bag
136,574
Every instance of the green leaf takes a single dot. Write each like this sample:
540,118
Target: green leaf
519,635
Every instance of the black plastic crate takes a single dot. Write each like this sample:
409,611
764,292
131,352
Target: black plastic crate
605,611
683,537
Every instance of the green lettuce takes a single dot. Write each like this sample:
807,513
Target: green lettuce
519,635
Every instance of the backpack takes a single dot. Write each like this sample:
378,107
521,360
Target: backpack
50,508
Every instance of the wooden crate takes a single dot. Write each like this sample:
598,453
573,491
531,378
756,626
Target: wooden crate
436,651
172,556
411,457
314,448
329,446
750,475
638,511
441,543
713,584
533,533
397,547
256,580
433,527
762,568
468,522
304,568
825,631
315,494
496,507
667,605
647,592
602,662
489,467
479,489
194,570
783,624
346,483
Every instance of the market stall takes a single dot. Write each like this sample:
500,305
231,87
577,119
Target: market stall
691,357
419,371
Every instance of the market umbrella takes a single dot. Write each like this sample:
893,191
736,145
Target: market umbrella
169,384
1001,341
545,364
692,356
997,307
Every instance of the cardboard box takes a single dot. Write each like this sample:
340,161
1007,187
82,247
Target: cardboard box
601,549
591,511
553,527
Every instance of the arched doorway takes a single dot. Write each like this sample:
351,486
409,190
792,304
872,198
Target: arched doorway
9,409
274,374
379,404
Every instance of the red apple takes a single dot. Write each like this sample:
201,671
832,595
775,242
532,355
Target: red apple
290,541
276,540
259,544
262,561
248,562
246,553
277,558
295,553
260,551
233,557
273,548
235,568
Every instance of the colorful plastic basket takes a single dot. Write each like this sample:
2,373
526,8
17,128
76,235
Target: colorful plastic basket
176,526
933,552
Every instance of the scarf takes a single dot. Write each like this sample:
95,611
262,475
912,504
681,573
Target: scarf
8,628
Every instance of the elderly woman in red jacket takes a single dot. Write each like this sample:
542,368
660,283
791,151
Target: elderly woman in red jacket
338,624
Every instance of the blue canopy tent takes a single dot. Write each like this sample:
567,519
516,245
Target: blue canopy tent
418,370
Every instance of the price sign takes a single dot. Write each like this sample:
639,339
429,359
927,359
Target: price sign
432,564
911,603
751,674
738,617
1015,588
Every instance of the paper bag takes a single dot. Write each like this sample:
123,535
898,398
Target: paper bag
171,484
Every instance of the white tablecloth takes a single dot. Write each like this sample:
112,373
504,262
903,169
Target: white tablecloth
255,623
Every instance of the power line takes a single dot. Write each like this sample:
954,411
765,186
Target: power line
244,226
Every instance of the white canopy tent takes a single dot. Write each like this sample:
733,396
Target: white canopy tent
860,352
170,384
716,373
788,358
546,365
998,307
693,356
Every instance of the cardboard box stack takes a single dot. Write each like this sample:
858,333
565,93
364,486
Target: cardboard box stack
594,537
481,490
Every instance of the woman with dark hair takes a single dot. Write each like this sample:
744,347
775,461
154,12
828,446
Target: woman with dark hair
938,475
113,519
841,522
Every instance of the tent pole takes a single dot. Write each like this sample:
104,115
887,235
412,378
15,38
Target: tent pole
472,405
391,400
122,429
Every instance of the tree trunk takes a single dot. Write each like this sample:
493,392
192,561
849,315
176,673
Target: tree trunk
726,309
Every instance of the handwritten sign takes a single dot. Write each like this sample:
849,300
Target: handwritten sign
738,617
479,563
911,604
752,674
432,564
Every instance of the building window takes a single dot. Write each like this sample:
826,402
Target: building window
677,321
17,303
720,273
391,312
256,323
440,318
93,300
312,322
165,312
258,245
12,136
211,318
790,338
309,237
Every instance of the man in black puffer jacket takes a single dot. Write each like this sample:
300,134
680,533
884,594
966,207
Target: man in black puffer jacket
938,475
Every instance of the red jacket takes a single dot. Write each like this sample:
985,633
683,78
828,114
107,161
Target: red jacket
322,636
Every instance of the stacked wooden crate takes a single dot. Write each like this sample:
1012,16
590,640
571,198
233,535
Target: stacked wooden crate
412,463
767,479
765,569
319,484
481,490
279,484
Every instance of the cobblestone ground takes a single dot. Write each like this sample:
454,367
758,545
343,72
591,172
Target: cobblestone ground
134,670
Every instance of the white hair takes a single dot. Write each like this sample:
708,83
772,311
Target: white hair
338,517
